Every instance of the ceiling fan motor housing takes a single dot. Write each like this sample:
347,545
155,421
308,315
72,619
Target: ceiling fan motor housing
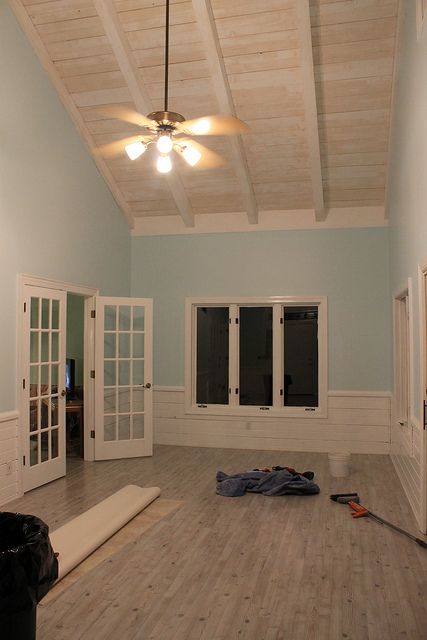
166,118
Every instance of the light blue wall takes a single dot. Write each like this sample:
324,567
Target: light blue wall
408,173
57,217
348,266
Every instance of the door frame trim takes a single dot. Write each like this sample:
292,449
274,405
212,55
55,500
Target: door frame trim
89,293
422,302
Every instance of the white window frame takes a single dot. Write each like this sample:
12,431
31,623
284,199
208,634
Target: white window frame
233,407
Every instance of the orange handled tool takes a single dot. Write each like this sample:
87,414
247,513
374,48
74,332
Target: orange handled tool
359,511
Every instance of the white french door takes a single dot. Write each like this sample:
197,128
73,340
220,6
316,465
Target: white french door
123,378
43,414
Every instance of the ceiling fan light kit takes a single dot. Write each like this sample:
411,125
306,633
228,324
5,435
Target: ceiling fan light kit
164,143
169,130
164,163
190,155
135,149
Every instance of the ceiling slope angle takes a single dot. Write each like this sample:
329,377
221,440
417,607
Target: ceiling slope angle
300,92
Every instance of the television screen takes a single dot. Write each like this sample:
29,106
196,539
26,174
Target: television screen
69,376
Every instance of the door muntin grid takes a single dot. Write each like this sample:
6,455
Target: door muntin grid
124,346
44,372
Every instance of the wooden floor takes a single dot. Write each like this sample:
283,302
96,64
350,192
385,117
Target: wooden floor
283,568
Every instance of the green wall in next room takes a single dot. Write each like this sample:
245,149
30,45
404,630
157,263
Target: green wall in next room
349,266
75,334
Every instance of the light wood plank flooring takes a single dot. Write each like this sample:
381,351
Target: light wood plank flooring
283,568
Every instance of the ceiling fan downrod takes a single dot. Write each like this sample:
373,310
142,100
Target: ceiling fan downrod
167,56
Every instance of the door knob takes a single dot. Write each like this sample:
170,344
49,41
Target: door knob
147,385
63,392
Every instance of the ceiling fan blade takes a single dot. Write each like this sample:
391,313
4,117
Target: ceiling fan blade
209,159
120,112
117,148
213,126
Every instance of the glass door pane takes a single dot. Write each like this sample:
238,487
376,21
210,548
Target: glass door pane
123,356
300,383
212,355
256,356
44,355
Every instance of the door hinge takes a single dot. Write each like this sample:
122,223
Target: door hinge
92,434
236,391
425,414
93,313
23,383
92,373
23,460
25,307
281,320
281,392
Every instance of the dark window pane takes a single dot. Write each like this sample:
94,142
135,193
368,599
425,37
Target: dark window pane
212,355
256,361
300,385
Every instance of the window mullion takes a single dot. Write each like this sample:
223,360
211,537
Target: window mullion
234,355
277,356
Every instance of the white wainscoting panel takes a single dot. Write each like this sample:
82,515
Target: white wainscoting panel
9,472
358,422
406,442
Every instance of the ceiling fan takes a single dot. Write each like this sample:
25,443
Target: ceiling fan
170,130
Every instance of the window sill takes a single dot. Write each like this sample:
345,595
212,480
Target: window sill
258,412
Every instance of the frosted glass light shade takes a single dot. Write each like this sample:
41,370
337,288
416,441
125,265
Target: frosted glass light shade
191,155
164,144
135,149
164,164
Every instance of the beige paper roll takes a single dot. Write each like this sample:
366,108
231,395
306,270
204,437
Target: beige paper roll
77,539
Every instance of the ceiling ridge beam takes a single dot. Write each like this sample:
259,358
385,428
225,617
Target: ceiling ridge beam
126,61
310,106
40,49
207,27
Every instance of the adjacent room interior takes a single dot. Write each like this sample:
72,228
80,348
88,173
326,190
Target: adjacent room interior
74,376
214,263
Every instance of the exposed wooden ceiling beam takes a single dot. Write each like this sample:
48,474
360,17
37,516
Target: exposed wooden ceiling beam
310,106
393,99
38,45
206,23
116,35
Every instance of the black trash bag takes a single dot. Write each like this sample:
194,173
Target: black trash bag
28,568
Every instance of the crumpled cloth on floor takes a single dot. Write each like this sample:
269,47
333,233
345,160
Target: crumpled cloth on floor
273,483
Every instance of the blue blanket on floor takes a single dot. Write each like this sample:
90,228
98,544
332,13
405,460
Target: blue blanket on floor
273,483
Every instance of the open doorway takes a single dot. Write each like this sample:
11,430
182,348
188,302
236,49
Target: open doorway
74,376
58,361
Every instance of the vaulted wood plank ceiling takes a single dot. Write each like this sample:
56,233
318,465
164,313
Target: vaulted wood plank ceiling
311,78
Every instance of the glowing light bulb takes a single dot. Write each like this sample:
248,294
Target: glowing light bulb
164,164
135,149
191,155
164,143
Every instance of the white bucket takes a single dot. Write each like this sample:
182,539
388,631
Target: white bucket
339,464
